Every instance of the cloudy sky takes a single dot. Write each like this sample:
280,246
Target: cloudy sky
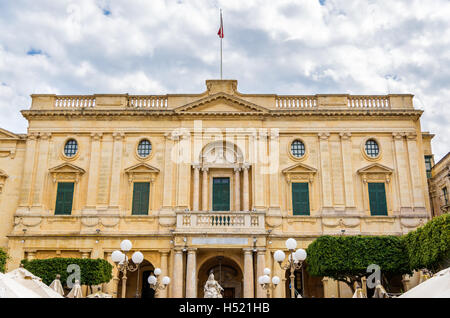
283,47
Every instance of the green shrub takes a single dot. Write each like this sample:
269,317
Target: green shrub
429,246
93,271
3,259
346,258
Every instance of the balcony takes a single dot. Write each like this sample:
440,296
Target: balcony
221,222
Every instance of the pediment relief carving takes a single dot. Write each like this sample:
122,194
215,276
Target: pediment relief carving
300,172
141,171
66,172
375,172
221,103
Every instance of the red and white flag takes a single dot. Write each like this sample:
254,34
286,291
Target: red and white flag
220,33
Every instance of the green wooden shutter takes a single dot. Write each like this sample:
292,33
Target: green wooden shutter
377,199
300,198
221,194
64,198
141,193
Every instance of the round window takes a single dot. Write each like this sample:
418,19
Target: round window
144,148
70,148
372,149
298,148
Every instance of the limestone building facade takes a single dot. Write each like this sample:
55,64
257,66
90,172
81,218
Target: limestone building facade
439,183
211,181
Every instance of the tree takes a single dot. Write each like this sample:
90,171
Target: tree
92,271
428,247
3,259
346,258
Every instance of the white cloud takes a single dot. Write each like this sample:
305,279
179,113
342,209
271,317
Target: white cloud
286,47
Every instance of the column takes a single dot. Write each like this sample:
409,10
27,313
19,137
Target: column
260,265
237,189
347,165
325,169
164,271
196,195
177,286
27,177
246,206
402,173
168,171
116,170
91,201
260,164
205,189
184,171
416,177
248,273
191,273
41,169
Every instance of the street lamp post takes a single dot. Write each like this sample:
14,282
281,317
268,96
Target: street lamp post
154,281
120,258
265,283
294,261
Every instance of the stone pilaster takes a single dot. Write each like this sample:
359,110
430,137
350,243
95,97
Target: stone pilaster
196,194
116,170
41,169
325,170
348,170
205,189
416,178
402,172
248,273
177,286
191,273
246,194
183,163
91,202
27,177
237,189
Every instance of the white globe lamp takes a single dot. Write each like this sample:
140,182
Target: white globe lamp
166,280
137,257
266,271
152,280
300,255
117,256
279,256
157,271
126,245
275,280
291,244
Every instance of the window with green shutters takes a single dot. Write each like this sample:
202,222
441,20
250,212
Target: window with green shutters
300,198
377,199
141,193
221,194
64,198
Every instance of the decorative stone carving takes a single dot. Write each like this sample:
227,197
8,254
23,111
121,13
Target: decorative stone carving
66,172
212,288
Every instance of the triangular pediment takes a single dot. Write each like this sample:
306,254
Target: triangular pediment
375,168
141,168
5,134
299,168
221,103
67,168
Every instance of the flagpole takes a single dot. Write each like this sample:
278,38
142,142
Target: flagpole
221,47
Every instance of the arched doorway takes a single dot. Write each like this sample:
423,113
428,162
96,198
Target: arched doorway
308,286
226,272
137,282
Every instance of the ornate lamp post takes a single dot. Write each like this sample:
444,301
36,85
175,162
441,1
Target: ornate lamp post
155,284
264,281
294,262
120,258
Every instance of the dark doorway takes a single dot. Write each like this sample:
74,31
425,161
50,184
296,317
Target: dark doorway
228,292
147,291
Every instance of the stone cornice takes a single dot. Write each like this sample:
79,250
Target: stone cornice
324,113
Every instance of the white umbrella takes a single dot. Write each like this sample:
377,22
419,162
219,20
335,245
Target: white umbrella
99,294
57,286
437,286
380,292
9,288
76,291
32,282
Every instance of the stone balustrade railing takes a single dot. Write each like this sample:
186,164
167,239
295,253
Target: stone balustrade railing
74,101
296,101
148,101
355,101
167,102
217,221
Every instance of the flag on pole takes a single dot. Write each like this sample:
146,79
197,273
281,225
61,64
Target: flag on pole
220,33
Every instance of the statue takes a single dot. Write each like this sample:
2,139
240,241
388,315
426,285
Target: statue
212,288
